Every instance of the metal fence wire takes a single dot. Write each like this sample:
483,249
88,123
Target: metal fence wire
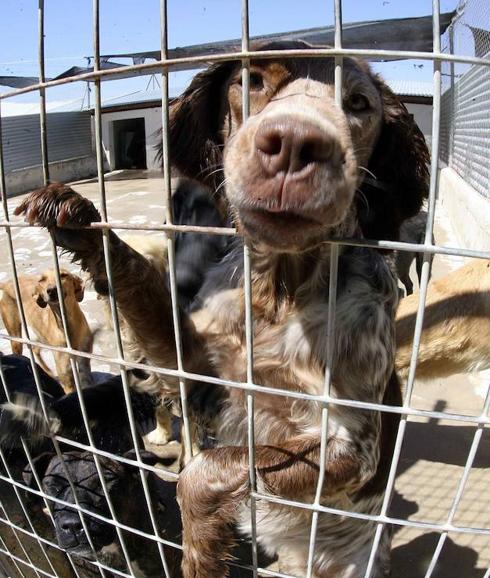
461,129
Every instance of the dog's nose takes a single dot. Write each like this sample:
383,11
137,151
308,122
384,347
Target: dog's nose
72,525
287,145
52,292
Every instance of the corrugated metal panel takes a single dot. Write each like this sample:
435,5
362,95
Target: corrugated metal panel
411,87
69,136
465,105
465,130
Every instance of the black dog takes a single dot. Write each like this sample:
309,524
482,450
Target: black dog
195,252
104,403
106,411
18,376
123,482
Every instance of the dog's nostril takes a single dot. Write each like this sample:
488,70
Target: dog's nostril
309,153
270,143
306,153
72,525
315,148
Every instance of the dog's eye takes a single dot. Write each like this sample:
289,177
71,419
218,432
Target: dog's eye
357,102
256,81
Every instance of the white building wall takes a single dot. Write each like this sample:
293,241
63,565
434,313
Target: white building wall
153,122
469,212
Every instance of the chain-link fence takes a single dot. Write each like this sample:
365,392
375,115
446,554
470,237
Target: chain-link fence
465,104
18,558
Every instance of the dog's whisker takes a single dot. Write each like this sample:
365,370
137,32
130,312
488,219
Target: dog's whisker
361,194
223,184
361,168
357,149
215,172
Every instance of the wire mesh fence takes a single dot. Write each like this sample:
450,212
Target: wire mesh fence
465,137
458,120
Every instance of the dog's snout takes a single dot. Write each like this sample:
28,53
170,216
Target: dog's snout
70,532
71,524
289,145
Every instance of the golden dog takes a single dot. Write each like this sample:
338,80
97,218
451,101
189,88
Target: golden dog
41,304
456,329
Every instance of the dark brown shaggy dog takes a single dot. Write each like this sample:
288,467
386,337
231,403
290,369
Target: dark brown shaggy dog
293,177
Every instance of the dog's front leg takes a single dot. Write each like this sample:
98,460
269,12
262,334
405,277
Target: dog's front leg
141,292
213,488
64,372
210,490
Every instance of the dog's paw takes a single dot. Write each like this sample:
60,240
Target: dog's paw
158,437
60,209
57,205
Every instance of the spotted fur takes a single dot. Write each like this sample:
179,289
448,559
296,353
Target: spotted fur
287,229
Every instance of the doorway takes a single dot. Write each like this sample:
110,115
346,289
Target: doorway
129,143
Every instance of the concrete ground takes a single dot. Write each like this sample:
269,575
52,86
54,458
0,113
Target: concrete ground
434,452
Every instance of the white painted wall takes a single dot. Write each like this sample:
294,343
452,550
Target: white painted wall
153,122
469,212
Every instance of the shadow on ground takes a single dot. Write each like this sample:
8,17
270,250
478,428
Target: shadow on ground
412,559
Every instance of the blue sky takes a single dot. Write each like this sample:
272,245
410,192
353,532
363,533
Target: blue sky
133,25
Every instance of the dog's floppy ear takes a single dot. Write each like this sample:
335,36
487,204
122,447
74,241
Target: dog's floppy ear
79,287
400,164
41,463
196,118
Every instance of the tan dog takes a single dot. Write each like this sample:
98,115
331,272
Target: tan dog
456,330
42,309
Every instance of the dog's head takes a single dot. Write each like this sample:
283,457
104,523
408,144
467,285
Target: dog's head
121,481
81,467
295,171
46,291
